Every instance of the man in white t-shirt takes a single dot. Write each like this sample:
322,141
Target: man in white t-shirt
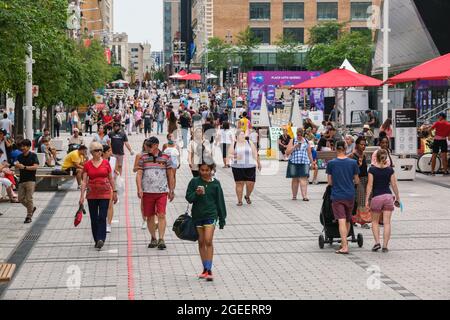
6,124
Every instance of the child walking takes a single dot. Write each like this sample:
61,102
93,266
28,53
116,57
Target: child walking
208,210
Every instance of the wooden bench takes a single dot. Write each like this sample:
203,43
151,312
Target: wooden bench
6,272
46,181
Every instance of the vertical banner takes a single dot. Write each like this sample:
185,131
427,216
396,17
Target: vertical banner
317,99
405,121
108,55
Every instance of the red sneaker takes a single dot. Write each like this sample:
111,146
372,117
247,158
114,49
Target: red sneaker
209,276
203,275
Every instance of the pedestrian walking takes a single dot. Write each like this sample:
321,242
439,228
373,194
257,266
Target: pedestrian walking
88,122
148,122
342,176
101,136
359,156
108,156
199,151
172,122
57,123
300,160
28,164
244,162
383,145
185,124
160,120
97,187
155,184
208,210
226,139
135,170
381,178
440,145
138,120
129,121
119,139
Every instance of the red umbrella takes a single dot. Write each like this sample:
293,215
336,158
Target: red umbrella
192,76
339,78
182,72
435,69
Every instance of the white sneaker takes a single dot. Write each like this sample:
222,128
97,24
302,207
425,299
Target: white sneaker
108,228
144,225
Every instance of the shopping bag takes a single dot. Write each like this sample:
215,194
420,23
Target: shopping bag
79,215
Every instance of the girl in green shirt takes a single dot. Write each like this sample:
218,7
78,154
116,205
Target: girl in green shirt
206,195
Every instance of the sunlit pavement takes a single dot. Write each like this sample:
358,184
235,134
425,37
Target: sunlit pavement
268,250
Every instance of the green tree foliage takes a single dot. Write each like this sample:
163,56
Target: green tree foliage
218,52
64,70
325,33
247,43
329,54
288,48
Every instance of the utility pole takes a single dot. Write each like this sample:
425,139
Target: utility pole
386,65
28,114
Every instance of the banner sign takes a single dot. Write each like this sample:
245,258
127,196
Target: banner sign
405,121
269,81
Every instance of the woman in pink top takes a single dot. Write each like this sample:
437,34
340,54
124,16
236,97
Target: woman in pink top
387,128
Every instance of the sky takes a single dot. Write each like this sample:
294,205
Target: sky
142,20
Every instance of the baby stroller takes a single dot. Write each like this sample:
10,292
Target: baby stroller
331,226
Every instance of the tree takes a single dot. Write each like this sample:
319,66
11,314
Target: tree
355,47
325,33
288,47
247,43
218,52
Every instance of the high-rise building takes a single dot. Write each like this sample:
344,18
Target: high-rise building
269,19
119,52
172,27
97,19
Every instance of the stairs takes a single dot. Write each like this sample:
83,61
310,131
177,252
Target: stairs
432,115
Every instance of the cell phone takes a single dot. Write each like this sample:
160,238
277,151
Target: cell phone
397,204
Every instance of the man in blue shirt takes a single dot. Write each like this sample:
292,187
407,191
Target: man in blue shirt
342,176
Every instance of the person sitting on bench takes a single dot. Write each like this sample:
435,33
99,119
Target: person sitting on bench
74,162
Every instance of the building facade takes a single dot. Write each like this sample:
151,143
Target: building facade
119,52
172,27
269,19
97,19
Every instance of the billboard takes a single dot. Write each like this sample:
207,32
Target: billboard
269,81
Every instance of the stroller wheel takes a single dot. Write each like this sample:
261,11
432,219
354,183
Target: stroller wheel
321,241
360,240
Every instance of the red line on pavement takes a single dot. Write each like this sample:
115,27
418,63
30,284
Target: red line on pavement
129,237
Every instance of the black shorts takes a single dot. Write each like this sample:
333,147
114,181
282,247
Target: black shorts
440,146
244,174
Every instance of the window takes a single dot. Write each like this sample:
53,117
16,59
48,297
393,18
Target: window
293,11
259,11
134,49
297,33
359,10
327,11
263,34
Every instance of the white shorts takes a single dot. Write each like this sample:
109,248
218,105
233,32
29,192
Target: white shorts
5,182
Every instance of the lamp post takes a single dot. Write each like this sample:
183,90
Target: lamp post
385,101
28,114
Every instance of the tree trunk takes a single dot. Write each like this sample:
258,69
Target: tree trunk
49,120
18,115
41,111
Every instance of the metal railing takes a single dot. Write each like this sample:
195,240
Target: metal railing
445,106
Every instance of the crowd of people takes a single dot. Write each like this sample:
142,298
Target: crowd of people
200,130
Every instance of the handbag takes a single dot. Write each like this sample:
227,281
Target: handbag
184,227
79,215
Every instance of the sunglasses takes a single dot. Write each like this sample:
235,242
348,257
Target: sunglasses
98,150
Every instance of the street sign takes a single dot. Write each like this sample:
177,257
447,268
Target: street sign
405,121
35,91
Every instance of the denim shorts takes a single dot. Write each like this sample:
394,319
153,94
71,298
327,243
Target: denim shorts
384,202
206,223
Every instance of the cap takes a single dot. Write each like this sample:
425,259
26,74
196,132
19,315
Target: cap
366,126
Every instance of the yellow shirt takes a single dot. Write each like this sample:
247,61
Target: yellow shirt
243,124
72,160
290,132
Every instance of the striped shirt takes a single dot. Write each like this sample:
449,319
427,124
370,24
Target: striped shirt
154,178
300,155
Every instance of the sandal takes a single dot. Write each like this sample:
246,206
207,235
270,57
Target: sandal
248,200
342,252
376,247
294,198
305,199
240,204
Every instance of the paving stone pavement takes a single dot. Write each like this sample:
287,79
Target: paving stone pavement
268,250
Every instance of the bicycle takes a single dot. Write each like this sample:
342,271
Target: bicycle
424,162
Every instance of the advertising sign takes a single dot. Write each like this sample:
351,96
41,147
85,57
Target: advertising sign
405,121
267,82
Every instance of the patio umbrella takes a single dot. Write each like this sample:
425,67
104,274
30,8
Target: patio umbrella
340,78
435,69
211,76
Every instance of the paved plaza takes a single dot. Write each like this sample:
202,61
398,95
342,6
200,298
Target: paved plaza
268,250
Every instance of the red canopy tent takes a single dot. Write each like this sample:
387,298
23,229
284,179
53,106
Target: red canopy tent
435,69
192,77
340,78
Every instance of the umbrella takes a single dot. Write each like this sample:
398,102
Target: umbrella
211,76
435,69
339,78
192,76
120,82
176,76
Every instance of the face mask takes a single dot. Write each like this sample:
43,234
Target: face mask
170,142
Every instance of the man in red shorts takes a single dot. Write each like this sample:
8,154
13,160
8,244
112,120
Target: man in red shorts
155,184
343,175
